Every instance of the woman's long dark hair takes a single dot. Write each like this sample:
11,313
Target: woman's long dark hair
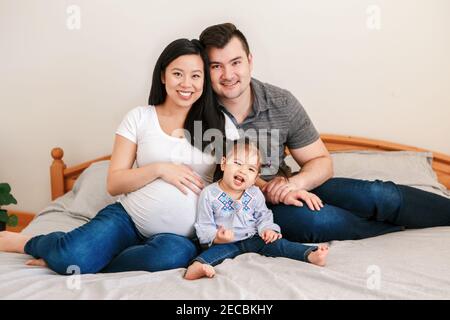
205,109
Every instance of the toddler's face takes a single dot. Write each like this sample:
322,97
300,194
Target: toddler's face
240,168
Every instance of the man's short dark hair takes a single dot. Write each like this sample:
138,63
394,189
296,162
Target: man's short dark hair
219,35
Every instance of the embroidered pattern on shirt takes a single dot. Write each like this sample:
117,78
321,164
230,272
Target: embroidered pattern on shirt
226,201
246,198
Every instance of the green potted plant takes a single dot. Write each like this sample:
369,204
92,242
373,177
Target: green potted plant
6,198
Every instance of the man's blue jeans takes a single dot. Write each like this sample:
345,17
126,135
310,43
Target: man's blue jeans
110,242
356,209
279,248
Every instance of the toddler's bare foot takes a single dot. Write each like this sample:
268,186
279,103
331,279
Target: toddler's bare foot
319,256
13,241
199,270
36,262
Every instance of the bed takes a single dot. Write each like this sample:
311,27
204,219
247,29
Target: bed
411,264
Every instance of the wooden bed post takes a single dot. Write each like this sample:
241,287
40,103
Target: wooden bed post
57,173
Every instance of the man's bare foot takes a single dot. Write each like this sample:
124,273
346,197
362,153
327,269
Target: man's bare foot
13,241
319,256
36,262
199,270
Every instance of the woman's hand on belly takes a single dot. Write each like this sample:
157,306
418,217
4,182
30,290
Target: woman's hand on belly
181,176
160,207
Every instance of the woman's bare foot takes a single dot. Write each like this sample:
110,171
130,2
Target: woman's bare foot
319,256
36,262
13,241
199,270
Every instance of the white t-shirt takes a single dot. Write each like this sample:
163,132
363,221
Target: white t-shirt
160,207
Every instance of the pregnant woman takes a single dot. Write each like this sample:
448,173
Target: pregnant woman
150,227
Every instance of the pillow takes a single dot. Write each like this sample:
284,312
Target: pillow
87,197
409,168
89,190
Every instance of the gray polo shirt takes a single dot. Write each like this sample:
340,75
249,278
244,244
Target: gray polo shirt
277,120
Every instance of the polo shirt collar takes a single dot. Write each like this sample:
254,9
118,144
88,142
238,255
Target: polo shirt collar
259,97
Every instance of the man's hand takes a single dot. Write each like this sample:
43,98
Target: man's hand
223,235
270,236
280,190
293,198
277,187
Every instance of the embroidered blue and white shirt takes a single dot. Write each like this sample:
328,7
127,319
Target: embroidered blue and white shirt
246,217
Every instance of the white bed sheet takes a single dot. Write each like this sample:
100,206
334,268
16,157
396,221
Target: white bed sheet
412,264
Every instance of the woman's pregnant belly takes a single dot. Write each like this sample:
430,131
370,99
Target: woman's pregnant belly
160,207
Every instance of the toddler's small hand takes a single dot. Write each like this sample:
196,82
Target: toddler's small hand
224,235
270,236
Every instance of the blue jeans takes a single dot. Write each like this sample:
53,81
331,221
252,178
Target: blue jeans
110,242
279,248
357,209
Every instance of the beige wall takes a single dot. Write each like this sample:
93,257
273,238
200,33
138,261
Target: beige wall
70,88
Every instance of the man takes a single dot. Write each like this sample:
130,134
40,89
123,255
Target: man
355,209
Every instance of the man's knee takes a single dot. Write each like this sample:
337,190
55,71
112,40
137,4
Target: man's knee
382,187
387,198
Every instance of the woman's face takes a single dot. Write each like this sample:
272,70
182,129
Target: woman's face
184,79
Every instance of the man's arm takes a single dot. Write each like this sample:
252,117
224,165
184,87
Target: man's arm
260,183
316,165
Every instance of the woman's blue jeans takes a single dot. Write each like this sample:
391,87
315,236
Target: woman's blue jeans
357,209
279,248
110,242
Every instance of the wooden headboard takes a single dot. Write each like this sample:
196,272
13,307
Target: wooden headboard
63,178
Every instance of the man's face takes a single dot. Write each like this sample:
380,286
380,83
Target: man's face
230,69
